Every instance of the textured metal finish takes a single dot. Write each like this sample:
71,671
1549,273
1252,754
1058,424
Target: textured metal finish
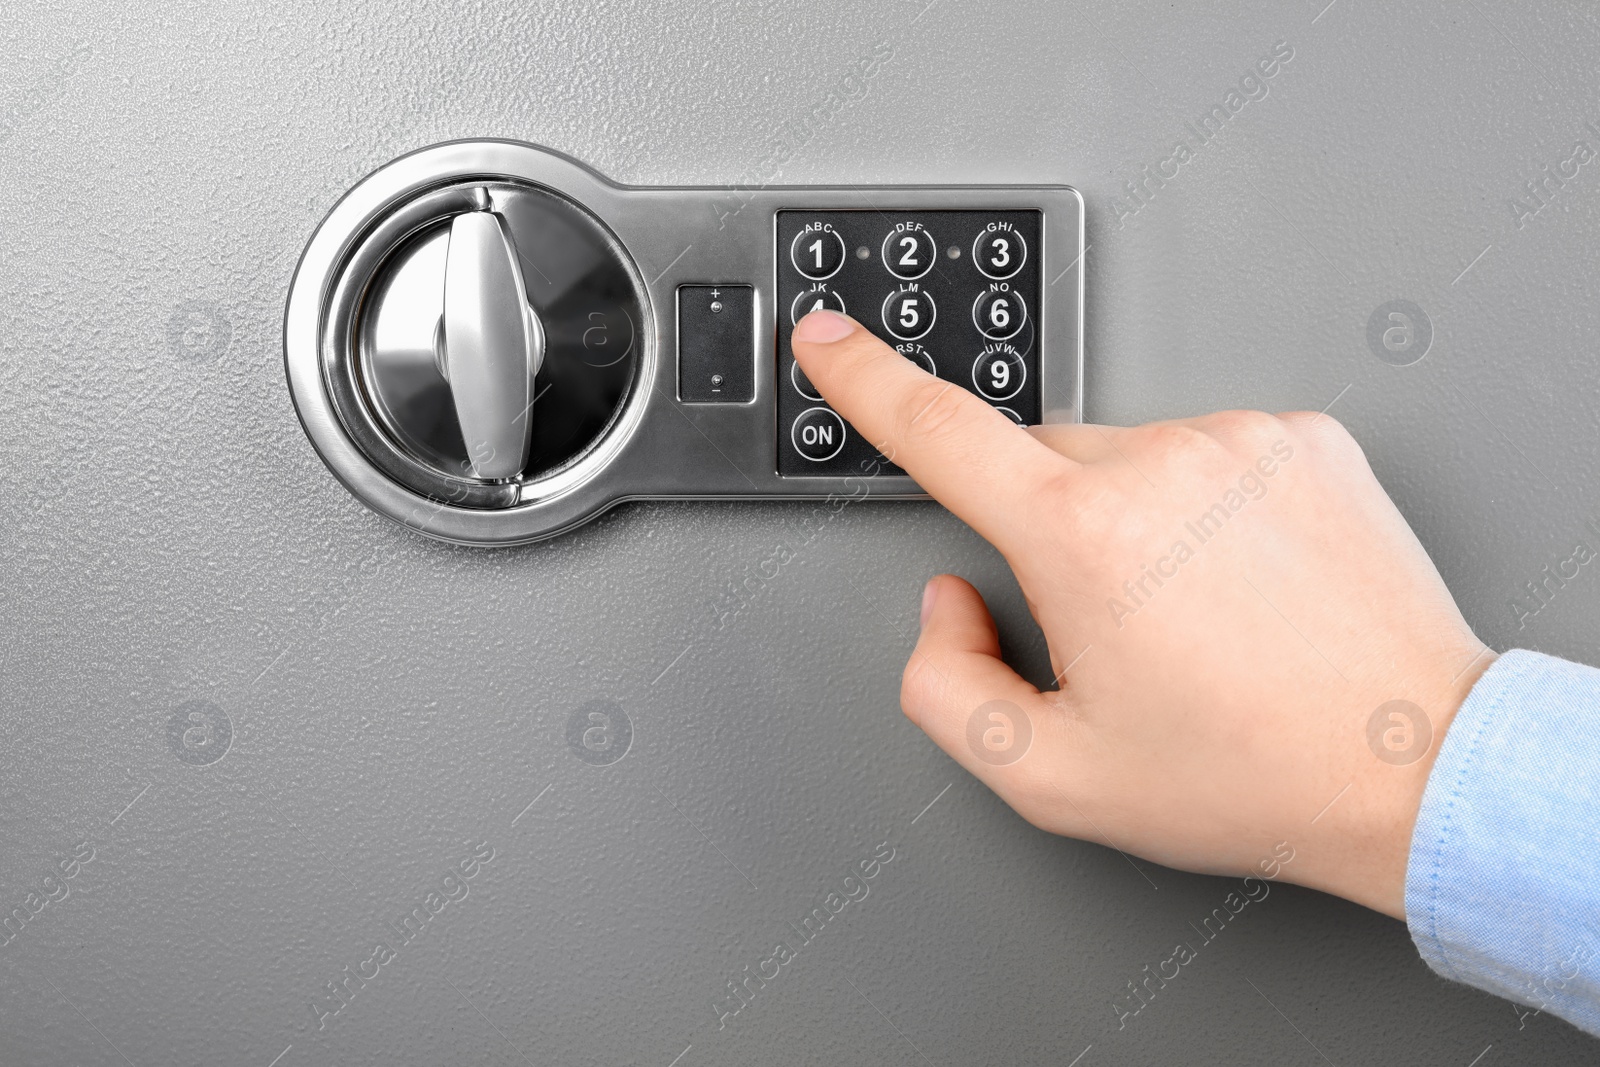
279,722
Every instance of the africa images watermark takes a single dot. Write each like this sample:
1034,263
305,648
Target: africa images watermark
852,888
793,135
739,594
1252,86
452,888
1539,193
51,888
1252,486
1554,577
1253,889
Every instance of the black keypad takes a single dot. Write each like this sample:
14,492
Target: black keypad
953,291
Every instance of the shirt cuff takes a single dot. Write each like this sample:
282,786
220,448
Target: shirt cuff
1503,881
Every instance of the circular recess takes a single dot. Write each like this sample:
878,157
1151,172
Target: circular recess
466,343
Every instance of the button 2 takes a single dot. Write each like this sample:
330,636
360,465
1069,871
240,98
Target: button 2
817,434
999,251
999,313
908,313
816,298
817,251
999,372
909,251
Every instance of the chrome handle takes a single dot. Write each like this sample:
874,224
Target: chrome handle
489,345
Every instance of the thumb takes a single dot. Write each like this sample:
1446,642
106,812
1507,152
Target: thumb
981,712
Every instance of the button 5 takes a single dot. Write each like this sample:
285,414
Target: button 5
908,313
999,251
999,313
817,434
816,298
909,251
817,251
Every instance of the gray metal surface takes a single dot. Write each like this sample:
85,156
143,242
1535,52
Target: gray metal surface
280,722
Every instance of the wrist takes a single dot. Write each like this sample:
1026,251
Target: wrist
1361,847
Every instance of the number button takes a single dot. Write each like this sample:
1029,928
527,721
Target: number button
908,313
817,434
999,251
999,372
817,251
999,313
816,298
1012,415
802,384
909,251
919,355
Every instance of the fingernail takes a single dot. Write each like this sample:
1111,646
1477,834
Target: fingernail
823,328
930,593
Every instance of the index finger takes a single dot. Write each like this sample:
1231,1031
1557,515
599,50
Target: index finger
967,455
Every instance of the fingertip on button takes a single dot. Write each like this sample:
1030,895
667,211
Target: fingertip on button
824,327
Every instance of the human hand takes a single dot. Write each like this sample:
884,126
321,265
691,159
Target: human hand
1227,599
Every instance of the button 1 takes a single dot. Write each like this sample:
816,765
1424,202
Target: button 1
817,251
1012,415
999,313
816,298
918,355
908,313
909,251
817,434
999,372
999,251
801,383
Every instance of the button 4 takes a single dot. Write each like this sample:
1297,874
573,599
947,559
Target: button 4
818,434
908,313
817,298
817,251
999,312
909,251
1000,251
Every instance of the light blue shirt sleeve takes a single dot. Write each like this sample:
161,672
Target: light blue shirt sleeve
1503,881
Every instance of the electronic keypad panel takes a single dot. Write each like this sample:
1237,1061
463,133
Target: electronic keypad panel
490,343
954,291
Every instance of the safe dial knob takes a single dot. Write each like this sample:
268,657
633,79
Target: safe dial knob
478,343
489,345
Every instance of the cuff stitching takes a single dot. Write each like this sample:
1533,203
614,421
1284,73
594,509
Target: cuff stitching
1489,713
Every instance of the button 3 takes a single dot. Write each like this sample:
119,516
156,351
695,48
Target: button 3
999,313
908,313
909,251
817,251
818,434
999,251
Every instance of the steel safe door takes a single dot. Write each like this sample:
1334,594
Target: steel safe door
331,792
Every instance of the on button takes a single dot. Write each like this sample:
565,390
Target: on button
818,434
